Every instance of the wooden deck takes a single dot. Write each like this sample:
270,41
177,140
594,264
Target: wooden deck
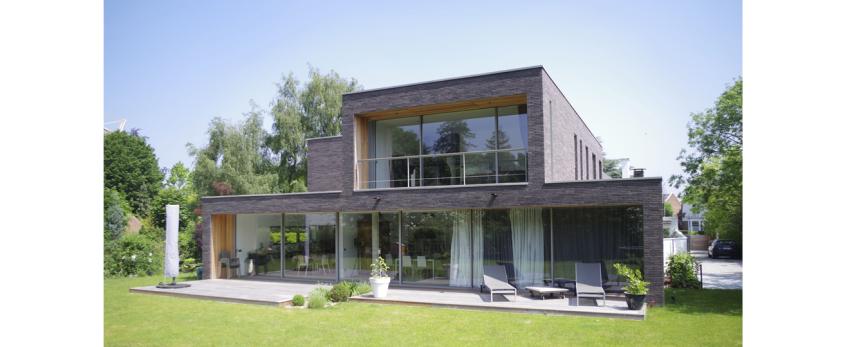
281,293
615,307
241,291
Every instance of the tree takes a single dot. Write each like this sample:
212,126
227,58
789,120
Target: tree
612,168
713,171
668,210
131,168
301,113
235,157
179,176
116,216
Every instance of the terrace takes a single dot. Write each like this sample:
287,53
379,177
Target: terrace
281,294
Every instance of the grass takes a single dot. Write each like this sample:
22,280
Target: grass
699,317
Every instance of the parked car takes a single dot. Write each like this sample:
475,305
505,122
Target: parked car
723,248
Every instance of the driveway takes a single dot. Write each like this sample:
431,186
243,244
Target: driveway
720,273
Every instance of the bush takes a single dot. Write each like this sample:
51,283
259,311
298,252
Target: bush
132,255
189,264
340,292
682,270
360,288
116,215
298,300
317,298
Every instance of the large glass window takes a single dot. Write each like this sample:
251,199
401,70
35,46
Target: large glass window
430,242
517,239
310,245
467,147
365,236
597,234
258,244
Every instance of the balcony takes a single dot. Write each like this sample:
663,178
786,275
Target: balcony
443,169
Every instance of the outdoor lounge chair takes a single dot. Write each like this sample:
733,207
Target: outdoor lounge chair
495,279
589,282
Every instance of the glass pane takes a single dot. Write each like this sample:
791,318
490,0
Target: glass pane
356,245
436,243
512,166
442,170
390,173
310,245
597,234
479,168
394,137
512,125
359,232
463,131
258,240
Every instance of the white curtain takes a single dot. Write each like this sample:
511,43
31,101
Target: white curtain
460,275
383,148
527,245
477,221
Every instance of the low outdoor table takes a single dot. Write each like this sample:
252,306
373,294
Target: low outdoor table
545,291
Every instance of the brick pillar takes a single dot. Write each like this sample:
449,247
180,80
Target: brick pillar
653,244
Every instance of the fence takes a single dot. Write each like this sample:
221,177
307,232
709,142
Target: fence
699,242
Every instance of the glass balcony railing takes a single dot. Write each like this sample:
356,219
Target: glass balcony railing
448,169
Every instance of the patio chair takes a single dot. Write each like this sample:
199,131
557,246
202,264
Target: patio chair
227,262
589,282
495,279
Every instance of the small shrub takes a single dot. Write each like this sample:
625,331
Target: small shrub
298,300
189,265
317,298
132,255
682,270
360,288
340,292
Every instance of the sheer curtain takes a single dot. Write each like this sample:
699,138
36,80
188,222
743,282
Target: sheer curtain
527,245
477,245
383,149
460,274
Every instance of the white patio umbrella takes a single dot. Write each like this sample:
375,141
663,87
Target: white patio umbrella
171,248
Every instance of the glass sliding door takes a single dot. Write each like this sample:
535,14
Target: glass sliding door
258,244
437,248
365,236
597,234
310,245
517,239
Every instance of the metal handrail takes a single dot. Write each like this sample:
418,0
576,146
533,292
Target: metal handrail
421,179
445,154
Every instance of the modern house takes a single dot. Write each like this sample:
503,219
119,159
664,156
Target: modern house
440,178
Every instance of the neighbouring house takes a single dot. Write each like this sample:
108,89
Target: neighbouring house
674,202
441,178
690,220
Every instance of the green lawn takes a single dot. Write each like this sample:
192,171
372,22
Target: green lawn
700,317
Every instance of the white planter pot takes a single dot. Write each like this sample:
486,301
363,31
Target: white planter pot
379,286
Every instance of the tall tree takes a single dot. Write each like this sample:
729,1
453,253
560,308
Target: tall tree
235,160
131,168
298,113
612,168
713,171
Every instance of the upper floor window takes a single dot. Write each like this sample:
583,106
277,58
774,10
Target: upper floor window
455,148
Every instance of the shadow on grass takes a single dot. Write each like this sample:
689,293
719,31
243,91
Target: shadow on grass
704,301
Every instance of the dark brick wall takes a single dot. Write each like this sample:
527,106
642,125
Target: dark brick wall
323,158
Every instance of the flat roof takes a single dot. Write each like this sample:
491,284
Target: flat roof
446,79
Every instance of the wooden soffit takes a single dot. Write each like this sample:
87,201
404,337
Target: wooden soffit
447,107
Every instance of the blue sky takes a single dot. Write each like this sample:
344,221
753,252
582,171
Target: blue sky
634,71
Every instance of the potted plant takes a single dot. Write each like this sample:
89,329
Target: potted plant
636,288
379,279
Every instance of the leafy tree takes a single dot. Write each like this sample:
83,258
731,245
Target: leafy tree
117,213
668,210
179,177
713,172
235,159
131,168
612,168
300,113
